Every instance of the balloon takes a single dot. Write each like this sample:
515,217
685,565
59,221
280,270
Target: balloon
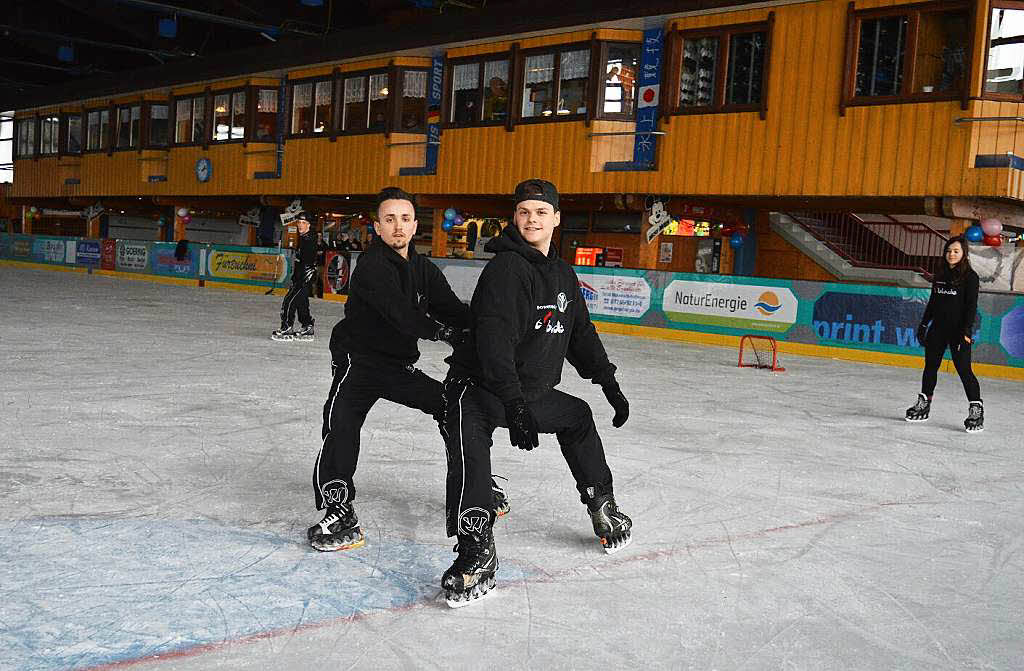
727,231
736,240
741,229
450,213
458,220
182,212
33,209
991,227
447,225
974,234
186,219
162,221
993,240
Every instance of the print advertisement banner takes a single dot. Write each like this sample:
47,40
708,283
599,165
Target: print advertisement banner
622,296
739,306
49,250
108,256
247,266
165,263
132,256
88,252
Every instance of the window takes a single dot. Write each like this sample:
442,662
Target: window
266,115
365,102
312,107
73,141
93,137
228,116
723,70
413,113
555,84
913,53
128,126
190,120
621,69
49,135
1004,69
479,92
158,125
26,132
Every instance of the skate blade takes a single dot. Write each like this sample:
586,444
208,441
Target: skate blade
611,546
475,595
334,545
977,430
281,338
917,419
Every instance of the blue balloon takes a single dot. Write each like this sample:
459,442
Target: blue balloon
975,234
447,225
458,220
450,213
736,240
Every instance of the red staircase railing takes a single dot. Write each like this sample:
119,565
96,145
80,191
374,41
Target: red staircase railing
879,241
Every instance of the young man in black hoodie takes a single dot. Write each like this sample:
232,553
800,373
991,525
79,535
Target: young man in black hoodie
303,278
528,318
395,298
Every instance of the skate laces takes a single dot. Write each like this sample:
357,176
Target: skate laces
975,410
469,549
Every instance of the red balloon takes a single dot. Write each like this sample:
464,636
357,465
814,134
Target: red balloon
727,231
993,240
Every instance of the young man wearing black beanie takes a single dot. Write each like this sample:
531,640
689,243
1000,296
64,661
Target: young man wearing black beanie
528,319
303,278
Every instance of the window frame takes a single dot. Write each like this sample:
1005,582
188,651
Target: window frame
599,92
65,133
389,114
907,93
253,114
207,113
212,109
332,117
985,95
147,124
449,94
516,96
54,147
134,143
396,103
104,138
21,151
718,100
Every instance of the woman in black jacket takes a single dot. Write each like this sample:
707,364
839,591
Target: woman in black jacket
949,322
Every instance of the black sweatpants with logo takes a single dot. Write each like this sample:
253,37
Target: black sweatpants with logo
471,415
296,300
935,344
359,383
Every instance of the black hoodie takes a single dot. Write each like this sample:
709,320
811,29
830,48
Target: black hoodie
305,259
953,305
392,303
528,318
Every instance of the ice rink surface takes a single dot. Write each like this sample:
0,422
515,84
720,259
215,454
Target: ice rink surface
155,490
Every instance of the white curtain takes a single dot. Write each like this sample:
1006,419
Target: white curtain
494,69
268,100
355,90
302,95
575,64
414,84
378,87
323,93
466,76
540,68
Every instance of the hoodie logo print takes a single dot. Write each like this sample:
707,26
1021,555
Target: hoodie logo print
547,325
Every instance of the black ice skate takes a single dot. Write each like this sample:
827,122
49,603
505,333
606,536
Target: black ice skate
338,530
472,575
975,417
612,527
305,333
501,506
919,411
283,334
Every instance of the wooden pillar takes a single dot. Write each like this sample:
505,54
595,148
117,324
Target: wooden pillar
648,253
440,236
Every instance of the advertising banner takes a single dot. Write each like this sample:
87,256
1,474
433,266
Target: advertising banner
851,318
6,242
336,272
745,307
22,247
247,266
49,250
615,295
132,256
88,252
164,261
108,254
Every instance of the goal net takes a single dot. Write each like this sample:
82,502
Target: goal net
759,352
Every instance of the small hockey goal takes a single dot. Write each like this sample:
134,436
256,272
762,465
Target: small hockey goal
759,352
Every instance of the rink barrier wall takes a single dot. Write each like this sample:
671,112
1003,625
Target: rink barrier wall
867,323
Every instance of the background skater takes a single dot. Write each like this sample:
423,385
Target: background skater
303,278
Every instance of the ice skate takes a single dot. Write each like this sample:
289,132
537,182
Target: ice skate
612,527
501,505
471,577
304,334
283,334
919,411
338,530
975,421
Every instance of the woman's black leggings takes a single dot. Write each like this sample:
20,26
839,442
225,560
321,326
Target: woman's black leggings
960,351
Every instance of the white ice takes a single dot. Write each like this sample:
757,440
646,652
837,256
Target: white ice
156,451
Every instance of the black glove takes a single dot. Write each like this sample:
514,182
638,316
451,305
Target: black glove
452,336
618,402
522,427
922,332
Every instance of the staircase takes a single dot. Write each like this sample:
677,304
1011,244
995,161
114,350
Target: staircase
882,251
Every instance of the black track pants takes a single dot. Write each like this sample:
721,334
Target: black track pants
960,352
357,385
470,416
296,300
